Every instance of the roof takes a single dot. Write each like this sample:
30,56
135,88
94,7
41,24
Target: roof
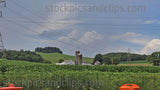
97,63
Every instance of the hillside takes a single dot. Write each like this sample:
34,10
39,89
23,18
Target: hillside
16,62
54,57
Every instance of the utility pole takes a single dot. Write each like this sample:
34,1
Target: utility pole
4,2
128,55
2,49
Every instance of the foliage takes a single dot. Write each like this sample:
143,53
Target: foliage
104,59
48,50
99,58
107,60
3,68
115,58
23,56
47,62
110,77
123,56
154,58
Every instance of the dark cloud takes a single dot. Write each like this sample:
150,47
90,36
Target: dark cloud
53,34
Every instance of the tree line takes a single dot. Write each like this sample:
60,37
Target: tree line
154,58
23,56
115,58
48,50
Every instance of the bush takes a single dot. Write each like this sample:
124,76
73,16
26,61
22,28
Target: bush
47,62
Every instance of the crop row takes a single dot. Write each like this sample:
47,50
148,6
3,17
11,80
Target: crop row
50,68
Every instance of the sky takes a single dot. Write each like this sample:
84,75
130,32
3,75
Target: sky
91,26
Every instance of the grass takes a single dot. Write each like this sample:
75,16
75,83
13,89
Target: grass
54,57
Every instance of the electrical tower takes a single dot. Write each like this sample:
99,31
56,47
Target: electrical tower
1,43
2,49
128,55
3,2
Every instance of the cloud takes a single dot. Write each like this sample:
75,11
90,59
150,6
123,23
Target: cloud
115,49
71,37
150,21
132,37
151,47
76,38
40,40
58,20
89,37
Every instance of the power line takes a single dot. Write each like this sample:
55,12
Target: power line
17,24
26,29
11,10
88,24
4,2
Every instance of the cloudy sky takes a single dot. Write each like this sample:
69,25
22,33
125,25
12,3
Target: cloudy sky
91,26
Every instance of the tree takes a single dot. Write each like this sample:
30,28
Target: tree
150,58
115,60
123,56
48,50
154,58
23,56
106,60
99,58
110,60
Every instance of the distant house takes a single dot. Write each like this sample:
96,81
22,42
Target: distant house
84,63
97,63
66,62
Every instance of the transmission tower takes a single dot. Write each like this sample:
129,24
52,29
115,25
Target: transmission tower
2,49
1,43
128,55
3,2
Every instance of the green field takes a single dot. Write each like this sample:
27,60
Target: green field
54,57
102,77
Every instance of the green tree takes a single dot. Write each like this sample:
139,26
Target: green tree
106,60
99,58
154,58
48,50
115,60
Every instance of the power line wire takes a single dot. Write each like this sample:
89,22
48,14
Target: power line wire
11,10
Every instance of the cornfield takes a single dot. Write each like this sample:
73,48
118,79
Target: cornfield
52,77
